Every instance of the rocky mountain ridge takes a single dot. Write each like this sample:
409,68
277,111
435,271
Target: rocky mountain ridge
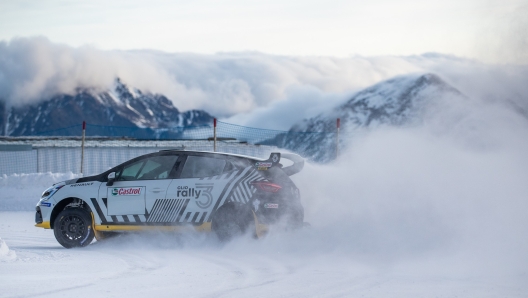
399,101
121,107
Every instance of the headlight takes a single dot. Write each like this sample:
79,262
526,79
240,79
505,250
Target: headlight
48,193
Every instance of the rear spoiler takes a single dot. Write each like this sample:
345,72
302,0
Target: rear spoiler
296,167
275,157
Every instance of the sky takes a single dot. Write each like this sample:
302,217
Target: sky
261,64
337,28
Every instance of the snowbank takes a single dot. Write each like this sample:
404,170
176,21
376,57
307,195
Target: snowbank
20,192
5,253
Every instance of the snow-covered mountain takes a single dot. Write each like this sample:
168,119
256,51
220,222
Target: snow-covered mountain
122,106
398,101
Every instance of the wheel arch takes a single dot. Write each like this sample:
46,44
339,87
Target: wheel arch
241,214
235,207
64,203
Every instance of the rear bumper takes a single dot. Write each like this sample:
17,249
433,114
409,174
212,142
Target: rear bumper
277,213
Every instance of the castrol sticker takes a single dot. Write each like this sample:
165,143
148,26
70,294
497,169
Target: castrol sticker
263,166
127,191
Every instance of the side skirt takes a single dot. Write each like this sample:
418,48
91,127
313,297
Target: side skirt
205,227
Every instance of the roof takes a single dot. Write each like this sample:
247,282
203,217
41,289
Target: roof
219,153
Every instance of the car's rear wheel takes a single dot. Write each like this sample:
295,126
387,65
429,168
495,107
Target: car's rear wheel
231,221
73,228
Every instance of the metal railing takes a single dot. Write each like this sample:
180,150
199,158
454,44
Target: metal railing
90,149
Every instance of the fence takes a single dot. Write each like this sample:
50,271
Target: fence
107,146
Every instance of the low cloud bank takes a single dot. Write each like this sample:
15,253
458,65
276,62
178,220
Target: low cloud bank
259,89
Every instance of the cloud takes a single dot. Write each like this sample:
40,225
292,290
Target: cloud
262,90
224,84
34,69
301,102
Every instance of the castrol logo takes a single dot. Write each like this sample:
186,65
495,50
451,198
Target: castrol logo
126,191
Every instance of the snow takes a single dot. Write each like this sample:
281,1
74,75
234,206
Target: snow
21,192
432,211
149,111
372,248
115,97
198,266
5,253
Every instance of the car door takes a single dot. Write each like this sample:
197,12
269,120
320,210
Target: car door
136,183
202,185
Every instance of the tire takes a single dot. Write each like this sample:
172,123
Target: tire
73,228
231,221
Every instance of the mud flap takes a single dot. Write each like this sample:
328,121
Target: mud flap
260,229
98,235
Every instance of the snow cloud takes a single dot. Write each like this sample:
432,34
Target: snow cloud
259,90
436,199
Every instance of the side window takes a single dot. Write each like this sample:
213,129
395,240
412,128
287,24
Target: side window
157,167
228,167
236,164
130,171
200,166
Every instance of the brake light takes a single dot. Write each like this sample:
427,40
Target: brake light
266,186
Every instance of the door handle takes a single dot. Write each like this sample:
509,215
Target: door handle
157,190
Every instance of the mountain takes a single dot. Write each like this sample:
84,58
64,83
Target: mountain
398,101
121,107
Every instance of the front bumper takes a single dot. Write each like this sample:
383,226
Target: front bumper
39,222
38,215
45,225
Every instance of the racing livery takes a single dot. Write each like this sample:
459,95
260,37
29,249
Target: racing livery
173,190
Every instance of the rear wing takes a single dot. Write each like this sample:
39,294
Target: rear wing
274,159
296,167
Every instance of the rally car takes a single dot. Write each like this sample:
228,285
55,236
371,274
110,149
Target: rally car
173,190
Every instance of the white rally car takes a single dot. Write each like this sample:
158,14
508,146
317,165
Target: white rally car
171,190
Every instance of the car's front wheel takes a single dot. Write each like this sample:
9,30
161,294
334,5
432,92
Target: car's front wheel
73,228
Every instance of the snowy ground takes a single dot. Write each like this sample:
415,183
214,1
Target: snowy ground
367,255
172,266
416,212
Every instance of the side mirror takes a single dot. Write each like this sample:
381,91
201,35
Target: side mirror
111,179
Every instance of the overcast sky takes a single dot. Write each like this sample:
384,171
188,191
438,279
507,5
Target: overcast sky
481,29
256,61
